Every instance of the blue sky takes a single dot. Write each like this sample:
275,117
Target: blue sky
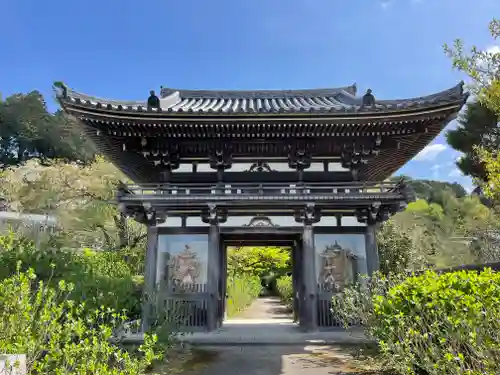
122,49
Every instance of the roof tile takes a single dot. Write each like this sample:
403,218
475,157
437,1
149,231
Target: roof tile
264,101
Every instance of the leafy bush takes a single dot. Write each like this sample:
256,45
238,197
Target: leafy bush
396,249
259,261
355,305
431,324
99,278
285,289
60,336
242,290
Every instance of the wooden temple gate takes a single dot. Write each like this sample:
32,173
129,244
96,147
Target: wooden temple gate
201,161
189,263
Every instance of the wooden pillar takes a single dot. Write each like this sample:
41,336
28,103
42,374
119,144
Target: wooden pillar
309,279
214,217
309,288
297,279
372,258
149,301
213,275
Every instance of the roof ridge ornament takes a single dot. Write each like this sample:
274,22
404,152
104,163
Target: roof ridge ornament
153,100
354,89
61,89
368,99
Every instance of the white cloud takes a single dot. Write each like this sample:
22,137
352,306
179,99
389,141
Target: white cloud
493,49
490,63
435,170
430,152
455,173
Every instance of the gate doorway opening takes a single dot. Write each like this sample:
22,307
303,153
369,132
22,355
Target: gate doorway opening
268,307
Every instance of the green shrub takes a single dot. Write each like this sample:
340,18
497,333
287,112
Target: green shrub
242,290
431,324
60,336
259,261
442,324
285,289
99,278
354,306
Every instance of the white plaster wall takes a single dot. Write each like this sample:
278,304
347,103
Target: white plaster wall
351,221
282,221
326,221
239,221
277,166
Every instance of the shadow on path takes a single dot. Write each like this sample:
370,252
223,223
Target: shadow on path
280,360
266,308
264,340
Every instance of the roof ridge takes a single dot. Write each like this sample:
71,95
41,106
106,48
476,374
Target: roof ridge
333,100
218,93
457,90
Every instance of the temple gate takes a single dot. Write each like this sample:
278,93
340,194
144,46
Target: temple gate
303,168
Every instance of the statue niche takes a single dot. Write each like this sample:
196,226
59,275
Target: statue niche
336,269
184,268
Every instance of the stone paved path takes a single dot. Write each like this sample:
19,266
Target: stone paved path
270,359
276,360
266,308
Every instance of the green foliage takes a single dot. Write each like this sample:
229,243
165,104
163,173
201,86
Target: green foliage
482,66
426,189
491,161
259,261
99,278
441,324
242,290
429,324
285,289
247,266
444,232
396,249
478,126
80,197
355,305
61,336
28,130
481,137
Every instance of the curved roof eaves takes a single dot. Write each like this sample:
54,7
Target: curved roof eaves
206,102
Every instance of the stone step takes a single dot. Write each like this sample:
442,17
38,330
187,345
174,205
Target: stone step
266,333
272,332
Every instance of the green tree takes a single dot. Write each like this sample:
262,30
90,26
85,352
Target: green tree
491,162
28,130
482,66
477,126
259,261
396,250
452,232
426,189
81,197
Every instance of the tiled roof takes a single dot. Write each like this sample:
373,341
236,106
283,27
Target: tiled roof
213,102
